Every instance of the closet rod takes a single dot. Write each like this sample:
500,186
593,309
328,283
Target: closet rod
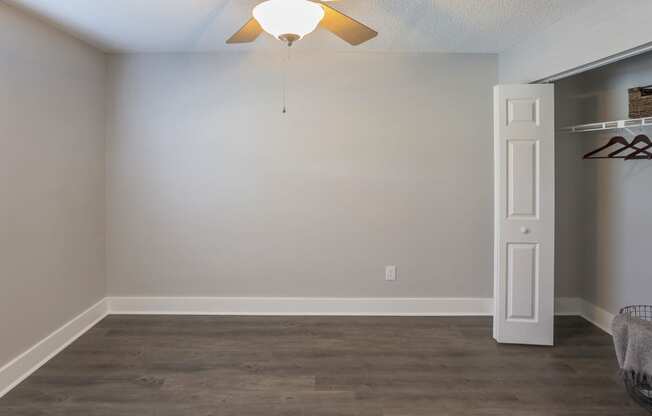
609,125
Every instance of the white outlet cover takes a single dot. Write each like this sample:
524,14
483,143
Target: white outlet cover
390,273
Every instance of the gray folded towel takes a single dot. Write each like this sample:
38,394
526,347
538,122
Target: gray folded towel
633,342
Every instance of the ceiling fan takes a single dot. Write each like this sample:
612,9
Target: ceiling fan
291,20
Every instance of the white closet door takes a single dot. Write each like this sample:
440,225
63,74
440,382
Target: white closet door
524,269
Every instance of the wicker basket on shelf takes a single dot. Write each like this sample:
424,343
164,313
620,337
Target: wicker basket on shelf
641,390
640,102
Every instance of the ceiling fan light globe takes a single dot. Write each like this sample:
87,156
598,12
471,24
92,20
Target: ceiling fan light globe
283,17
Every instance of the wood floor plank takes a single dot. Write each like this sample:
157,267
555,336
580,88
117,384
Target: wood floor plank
346,366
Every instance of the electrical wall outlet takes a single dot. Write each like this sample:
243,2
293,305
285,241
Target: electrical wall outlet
390,273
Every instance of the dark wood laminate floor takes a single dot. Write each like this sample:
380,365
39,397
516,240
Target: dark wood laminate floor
313,366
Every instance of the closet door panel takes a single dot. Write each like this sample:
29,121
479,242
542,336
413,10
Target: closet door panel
522,281
524,214
523,178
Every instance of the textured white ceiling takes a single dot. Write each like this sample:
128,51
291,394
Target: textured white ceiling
489,26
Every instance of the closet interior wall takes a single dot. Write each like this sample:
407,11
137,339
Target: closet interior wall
604,207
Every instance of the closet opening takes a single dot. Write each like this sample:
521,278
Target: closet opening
603,199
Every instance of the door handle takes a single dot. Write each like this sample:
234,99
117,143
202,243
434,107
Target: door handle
525,230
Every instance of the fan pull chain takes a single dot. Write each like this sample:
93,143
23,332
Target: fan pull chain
285,79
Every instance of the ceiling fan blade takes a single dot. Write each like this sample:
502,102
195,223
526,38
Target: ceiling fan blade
248,33
345,27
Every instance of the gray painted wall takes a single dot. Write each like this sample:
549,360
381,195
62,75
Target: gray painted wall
52,123
382,159
569,209
610,201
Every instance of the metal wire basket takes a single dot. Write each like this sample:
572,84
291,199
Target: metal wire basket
641,390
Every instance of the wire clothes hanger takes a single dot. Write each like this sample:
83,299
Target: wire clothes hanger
639,152
636,154
614,140
641,138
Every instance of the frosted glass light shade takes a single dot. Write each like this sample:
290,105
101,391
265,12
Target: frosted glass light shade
288,17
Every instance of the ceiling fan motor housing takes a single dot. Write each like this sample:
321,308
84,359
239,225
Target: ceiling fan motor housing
291,20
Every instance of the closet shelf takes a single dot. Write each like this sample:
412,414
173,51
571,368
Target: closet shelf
609,125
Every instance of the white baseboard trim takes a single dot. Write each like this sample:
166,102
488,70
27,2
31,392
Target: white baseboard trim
15,371
320,306
581,307
597,316
301,306
568,306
